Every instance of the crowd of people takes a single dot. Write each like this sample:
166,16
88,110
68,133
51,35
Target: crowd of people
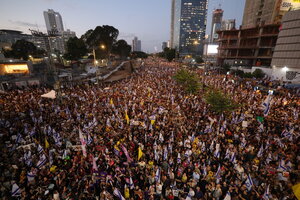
144,137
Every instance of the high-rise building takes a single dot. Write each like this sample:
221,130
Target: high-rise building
136,44
286,56
188,25
258,12
164,45
228,24
53,21
216,24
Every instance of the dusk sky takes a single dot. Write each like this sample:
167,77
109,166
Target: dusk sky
149,20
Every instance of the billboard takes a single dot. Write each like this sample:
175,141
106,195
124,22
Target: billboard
287,4
212,49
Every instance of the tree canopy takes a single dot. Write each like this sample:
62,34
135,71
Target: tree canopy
188,80
219,101
101,39
76,48
121,48
21,49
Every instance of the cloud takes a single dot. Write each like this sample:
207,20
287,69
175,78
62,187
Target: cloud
25,24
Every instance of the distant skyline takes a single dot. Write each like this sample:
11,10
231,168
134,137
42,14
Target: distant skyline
149,20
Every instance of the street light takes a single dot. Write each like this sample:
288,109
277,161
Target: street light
102,46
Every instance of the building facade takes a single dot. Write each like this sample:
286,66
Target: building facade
258,12
228,24
286,57
53,21
216,24
248,46
188,25
136,44
164,45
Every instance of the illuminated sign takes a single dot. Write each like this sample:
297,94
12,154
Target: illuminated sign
212,49
287,4
16,68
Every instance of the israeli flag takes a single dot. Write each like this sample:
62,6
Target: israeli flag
228,196
242,117
261,128
165,153
118,194
42,161
39,149
227,154
157,175
161,138
19,138
267,105
204,171
89,139
178,158
269,158
249,182
217,153
266,195
218,175
131,184
203,149
260,152
156,156
287,134
233,158
281,166
30,176
15,192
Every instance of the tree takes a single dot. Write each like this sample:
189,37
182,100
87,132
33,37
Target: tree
121,48
258,73
101,39
188,80
21,50
226,67
138,54
76,48
219,101
170,54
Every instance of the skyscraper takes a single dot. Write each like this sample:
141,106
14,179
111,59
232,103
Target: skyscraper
188,24
228,24
266,11
216,24
53,21
136,44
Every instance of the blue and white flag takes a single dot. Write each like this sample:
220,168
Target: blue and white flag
266,195
261,128
249,182
204,173
233,158
287,133
30,176
178,158
203,149
131,184
28,159
267,105
157,175
269,158
228,196
218,173
165,153
42,161
217,153
156,156
281,166
40,149
118,194
260,152
19,138
15,192
211,147
227,154
242,118
208,129
223,127
89,139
